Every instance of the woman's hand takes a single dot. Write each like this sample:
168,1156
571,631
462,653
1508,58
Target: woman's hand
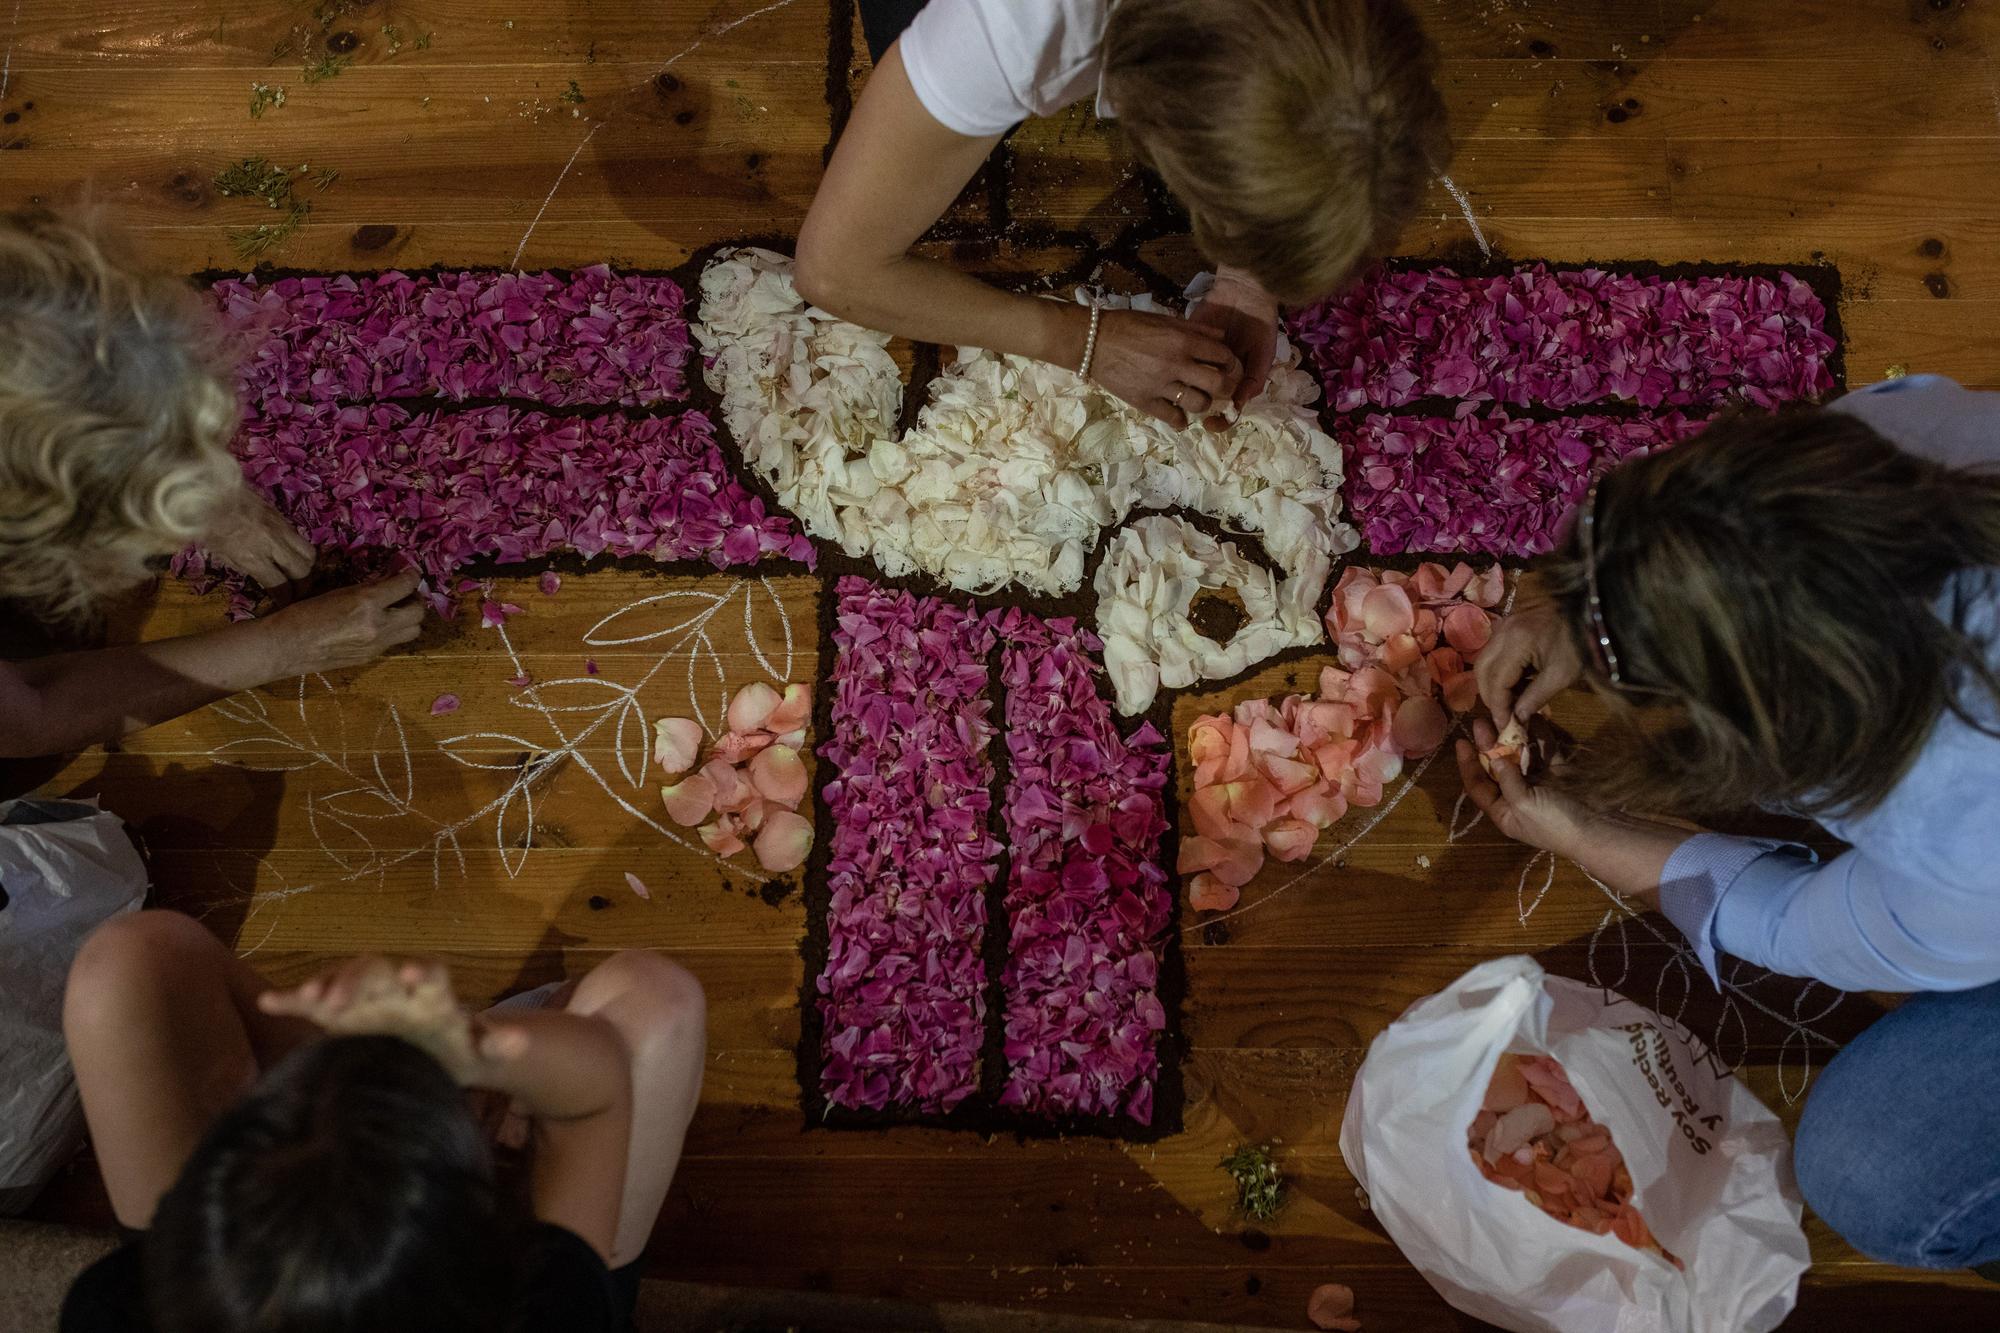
1531,639
372,996
1536,815
1244,316
345,628
252,538
1171,369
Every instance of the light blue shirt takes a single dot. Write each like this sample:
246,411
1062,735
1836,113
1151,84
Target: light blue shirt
1915,905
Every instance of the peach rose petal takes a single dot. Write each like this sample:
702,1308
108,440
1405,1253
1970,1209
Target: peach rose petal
1507,1090
676,744
1467,628
780,775
1210,810
721,837
1291,839
1420,726
751,707
737,747
751,817
1461,691
1208,747
1268,738
792,712
1331,1307
1402,652
1321,807
690,800
1252,801
1206,893
732,790
1387,612
784,841
1289,776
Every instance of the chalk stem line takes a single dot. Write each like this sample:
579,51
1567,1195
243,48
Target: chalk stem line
1465,207
725,28
560,177
7,65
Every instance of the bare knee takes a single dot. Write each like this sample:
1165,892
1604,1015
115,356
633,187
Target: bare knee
654,1002
126,961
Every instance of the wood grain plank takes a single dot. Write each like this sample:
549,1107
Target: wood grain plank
568,33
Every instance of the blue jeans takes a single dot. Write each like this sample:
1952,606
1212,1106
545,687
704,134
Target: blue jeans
1899,1146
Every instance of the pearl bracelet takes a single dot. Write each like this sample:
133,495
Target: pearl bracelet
1090,341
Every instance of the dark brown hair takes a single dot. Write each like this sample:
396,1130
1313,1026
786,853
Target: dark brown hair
349,1192
1770,590
1299,134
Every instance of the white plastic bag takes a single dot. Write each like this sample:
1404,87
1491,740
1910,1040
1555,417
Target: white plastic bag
1711,1165
64,867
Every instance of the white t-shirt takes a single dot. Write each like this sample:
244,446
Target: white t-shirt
983,66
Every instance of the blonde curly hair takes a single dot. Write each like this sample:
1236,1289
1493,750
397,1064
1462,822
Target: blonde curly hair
115,416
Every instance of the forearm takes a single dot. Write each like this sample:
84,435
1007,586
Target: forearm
1626,853
69,701
929,301
573,1067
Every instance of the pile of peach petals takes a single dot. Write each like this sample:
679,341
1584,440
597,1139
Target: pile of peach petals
749,783
1534,1134
1272,775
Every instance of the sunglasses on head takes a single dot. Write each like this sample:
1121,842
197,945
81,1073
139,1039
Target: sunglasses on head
1601,650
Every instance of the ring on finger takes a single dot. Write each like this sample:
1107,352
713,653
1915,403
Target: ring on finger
1178,394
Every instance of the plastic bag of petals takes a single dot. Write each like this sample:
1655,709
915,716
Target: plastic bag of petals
1617,1177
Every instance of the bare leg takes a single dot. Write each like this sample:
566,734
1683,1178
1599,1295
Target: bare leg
163,1029
658,1010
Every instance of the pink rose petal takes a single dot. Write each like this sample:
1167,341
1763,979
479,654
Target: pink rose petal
551,583
638,886
444,703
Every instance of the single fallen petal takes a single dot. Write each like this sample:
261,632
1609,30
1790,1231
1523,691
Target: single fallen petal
690,800
779,775
784,841
1331,1306
444,703
676,744
551,583
638,886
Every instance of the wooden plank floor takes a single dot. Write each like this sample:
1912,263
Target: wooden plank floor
323,817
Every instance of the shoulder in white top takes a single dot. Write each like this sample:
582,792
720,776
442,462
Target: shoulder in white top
983,66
